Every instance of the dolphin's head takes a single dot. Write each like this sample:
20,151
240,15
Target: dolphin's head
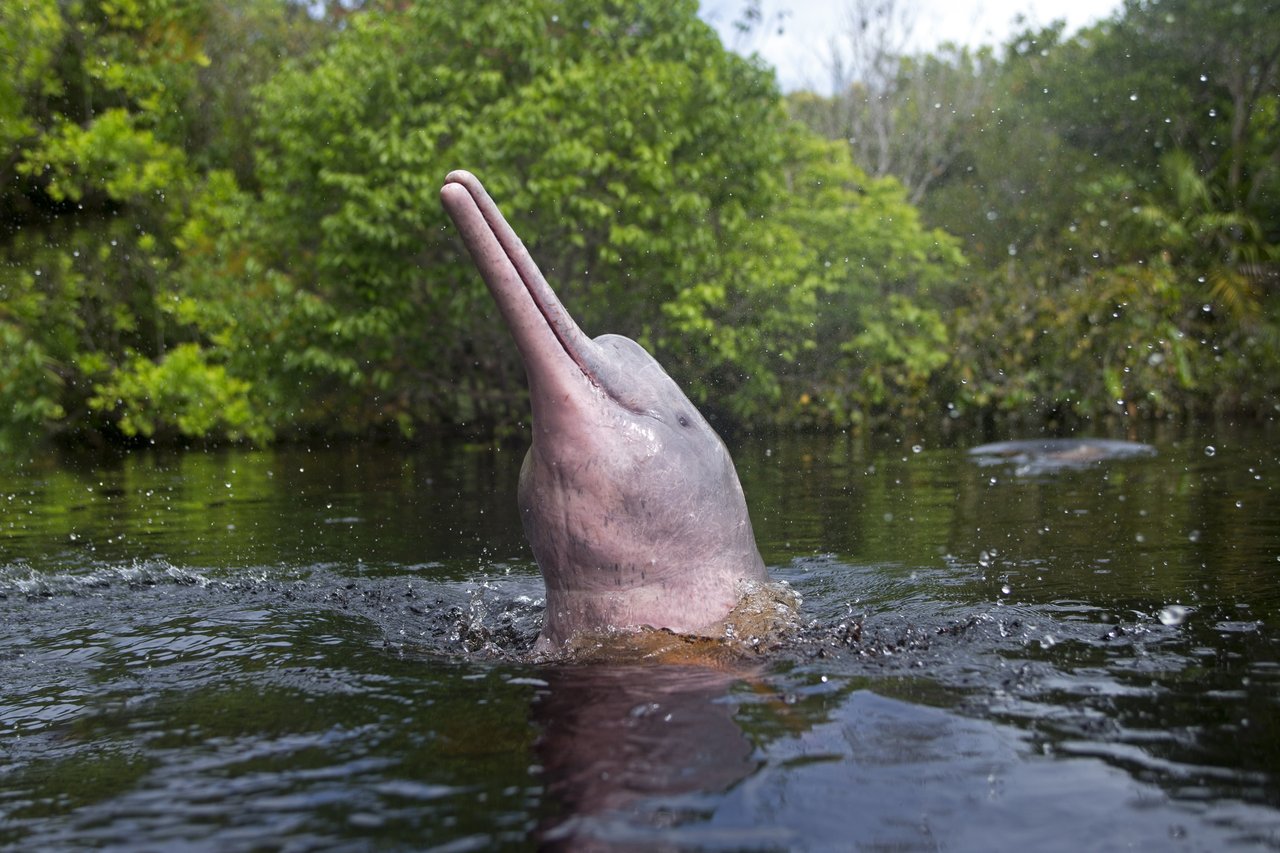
629,498
632,386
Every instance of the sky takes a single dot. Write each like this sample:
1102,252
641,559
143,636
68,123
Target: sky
808,24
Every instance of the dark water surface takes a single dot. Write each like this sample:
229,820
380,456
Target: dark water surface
325,650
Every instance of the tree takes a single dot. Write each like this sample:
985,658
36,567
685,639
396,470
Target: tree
901,114
95,182
801,336
625,143
1222,246
1193,75
115,115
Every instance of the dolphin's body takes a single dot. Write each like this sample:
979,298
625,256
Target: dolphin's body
1047,454
629,498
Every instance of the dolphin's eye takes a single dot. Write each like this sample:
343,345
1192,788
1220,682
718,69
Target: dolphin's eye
682,420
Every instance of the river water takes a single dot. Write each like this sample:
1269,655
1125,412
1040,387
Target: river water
327,649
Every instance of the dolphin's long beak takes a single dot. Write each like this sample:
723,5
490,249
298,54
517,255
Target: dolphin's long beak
533,313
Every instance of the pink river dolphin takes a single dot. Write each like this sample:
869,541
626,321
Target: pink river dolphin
628,497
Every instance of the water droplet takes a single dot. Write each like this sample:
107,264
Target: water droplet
1193,536
1173,614
1006,589
916,448
1209,450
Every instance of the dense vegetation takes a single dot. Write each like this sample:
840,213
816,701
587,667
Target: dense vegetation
219,219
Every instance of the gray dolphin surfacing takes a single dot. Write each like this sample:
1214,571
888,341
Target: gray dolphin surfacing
628,497
1045,455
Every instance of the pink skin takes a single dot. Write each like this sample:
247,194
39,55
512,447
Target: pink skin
629,499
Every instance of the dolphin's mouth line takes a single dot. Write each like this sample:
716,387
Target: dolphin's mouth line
539,290
567,346
562,327
499,252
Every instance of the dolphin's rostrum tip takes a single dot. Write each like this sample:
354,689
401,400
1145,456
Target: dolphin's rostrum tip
460,176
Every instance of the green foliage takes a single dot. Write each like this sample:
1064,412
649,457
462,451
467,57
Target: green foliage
220,220
903,354
1120,187
625,143
30,389
1204,236
773,343
867,250
115,157
29,35
96,180
1111,341
100,104
1132,319
182,392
